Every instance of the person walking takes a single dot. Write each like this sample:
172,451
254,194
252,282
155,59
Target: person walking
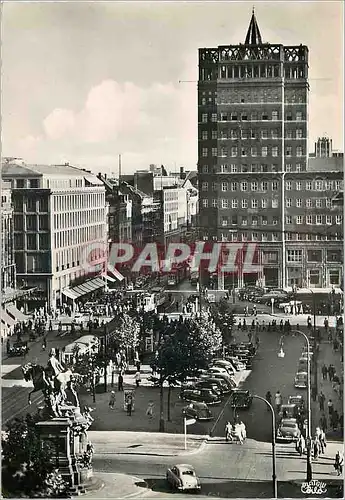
300,445
322,439
137,364
316,447
331,372
112,400
339,463
278,401
129,405
330,408
44,344
137,378
322,399
149,411
324,371
268,398
120,382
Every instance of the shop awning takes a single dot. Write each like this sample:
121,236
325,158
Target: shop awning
17,315
109,278
6,318
87,287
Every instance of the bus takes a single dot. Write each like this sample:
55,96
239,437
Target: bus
172,280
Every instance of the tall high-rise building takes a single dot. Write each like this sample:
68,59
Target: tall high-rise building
252,130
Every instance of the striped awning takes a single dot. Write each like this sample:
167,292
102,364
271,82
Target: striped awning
87,287
15,313
6,318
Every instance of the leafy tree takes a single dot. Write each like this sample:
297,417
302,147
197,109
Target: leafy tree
26,460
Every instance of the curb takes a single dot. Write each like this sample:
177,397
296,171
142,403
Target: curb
198,450
143,490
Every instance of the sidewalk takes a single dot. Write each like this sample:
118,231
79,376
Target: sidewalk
114,485
294,319
144,443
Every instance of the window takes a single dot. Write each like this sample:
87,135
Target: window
299,219
334,256
275,203
298,186
294,255
334,277
234,151
254,186
254,151
275,186
214,151
338,185
274,115
214,134
44,241
288,236
233,134
205,202
205,169
264,203
234,220
244,117
204,152
214,203
244,221
338,219
318,203
275,151
234,186
299,133
274,134
289,134
214,117
254,236
275,221
31,205
288,185
204,186
225,186
233,168
288,202
264,134
31,222
224,169
214,186
234,203
225,221
233,116
204,118
244,204
318,219
328,203
254,220
264,220
20,183
298,203
224,117
264,151
288,151
223,152
299,151
289,116
264,237
31,241
329,219
298,167
314,256
244,134
253,134
244,186
264,186
204,135
225,203
308,186
318,185
255,204
33,183
329,185
309,219
299,116
288,219
43,205
244,152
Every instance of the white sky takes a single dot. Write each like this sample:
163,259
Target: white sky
84,82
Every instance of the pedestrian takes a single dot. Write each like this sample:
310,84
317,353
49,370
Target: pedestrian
300,445
330,408
331,371
268,398
335,420
8,346
112,400
322,439
244,325
326,325
278,401
324,371
339,463
239,325
50,326
149,411
120,382
137,378
44,344
129,405
316,448
322,399
137,364
323,422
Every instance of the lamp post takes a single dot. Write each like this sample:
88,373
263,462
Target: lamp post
274,476
281,354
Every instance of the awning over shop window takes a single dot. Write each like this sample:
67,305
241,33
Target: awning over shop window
109,278
87,287
17,315
6,319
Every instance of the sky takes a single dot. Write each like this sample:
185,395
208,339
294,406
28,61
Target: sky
83,82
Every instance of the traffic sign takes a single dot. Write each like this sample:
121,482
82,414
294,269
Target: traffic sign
190,421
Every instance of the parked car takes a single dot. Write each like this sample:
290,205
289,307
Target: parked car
218,369
301,380
297,400
200,395
183,477
220,376
222,384
241,399
238,365
289,411
224,363
18,349
288,430
303,364
207,384
199,411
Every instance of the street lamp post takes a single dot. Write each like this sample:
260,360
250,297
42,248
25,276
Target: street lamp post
274,475
281,354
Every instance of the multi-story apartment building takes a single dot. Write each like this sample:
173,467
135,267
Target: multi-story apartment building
8,268
60,227
252,133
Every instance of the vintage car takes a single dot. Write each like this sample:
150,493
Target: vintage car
183,477
297,400
200,395
199,411
18,349
207,384
289,411
222,384
220,376
288,430
241,399
301,380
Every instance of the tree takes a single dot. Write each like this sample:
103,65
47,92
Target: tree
26,460
125,337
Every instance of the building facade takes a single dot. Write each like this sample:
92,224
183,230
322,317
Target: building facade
8,268
60,226
253,157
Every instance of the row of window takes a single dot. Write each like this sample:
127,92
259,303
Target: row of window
73,237
30,204
33,241
237,236
242,186
245,220
250,134
234,203
76,219
318,219
253,116
67,202
309,203
234,168
263,151
32,223
318,185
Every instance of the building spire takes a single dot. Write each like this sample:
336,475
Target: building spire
253,35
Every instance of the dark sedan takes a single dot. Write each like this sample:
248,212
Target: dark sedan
241,399
199,411
200,395
18,349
